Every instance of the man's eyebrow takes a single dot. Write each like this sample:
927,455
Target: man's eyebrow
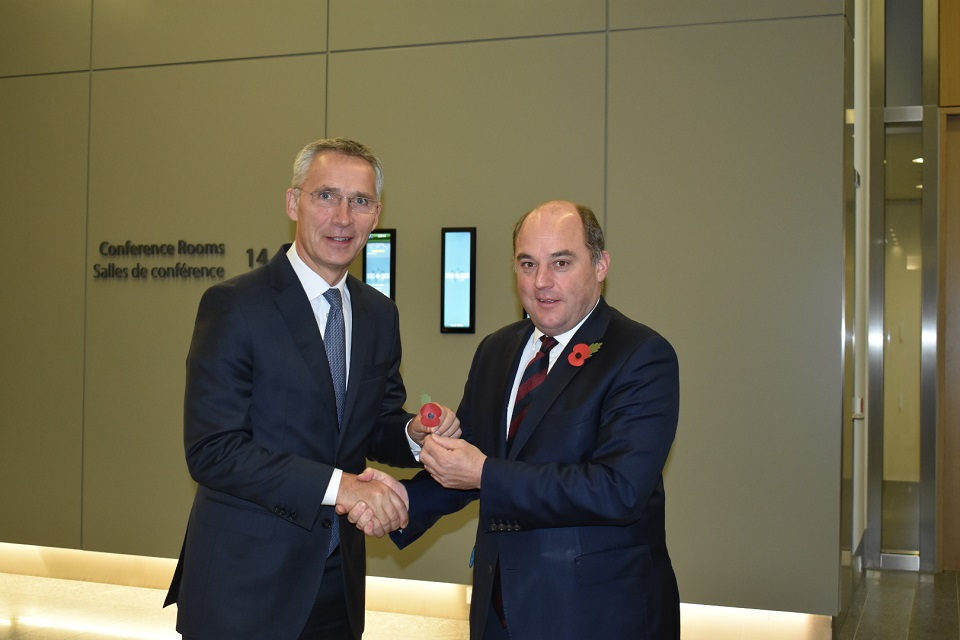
340,192
563,253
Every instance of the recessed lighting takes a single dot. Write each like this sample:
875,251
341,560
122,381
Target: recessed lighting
918,160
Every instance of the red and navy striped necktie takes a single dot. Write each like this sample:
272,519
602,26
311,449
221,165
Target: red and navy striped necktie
533,376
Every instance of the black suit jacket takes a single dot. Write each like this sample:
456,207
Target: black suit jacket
574,511
261,439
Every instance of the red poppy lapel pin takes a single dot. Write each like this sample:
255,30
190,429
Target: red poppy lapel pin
581,352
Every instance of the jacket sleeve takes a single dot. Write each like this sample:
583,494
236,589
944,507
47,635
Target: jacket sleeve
222,451
429,502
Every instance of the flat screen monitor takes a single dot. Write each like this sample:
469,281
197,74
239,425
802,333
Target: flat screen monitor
458,287
380,262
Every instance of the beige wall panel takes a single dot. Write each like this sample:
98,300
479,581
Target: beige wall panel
198,153
626,14
948,439
44,37
725,217
468,137
129,33
949,16
43,190
386,23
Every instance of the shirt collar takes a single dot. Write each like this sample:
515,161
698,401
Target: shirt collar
564,337
313,284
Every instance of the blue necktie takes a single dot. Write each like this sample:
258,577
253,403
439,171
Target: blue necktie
334,341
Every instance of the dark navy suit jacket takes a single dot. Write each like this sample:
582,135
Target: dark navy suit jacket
261,439
574,511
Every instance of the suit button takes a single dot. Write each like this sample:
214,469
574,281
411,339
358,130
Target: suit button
326,524
293,515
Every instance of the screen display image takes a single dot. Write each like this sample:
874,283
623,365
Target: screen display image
458,283
379,260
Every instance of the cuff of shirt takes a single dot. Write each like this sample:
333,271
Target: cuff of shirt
414,447
330,497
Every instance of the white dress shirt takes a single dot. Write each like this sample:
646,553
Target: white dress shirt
315,287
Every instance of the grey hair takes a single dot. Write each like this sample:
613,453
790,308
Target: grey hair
592,231
346,146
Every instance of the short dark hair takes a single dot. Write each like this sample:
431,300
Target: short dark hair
592,231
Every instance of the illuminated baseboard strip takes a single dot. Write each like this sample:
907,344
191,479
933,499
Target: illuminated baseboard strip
703,622
89,566
76,627
390,595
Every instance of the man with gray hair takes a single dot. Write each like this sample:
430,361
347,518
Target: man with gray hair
293,381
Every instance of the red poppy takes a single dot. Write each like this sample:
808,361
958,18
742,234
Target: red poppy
579,355
430,415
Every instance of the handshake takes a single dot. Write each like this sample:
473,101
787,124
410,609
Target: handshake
377,503
374,501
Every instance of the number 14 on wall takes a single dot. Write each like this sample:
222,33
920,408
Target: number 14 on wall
262,257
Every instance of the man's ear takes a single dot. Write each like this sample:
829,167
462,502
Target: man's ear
293,199
603,266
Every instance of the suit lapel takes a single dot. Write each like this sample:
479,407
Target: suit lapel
302,324
561,374
362,326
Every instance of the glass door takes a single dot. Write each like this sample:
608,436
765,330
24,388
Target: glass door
903,261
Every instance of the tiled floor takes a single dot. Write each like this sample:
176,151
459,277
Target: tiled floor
901,605
888,606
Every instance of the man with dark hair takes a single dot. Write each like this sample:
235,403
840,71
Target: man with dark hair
568,418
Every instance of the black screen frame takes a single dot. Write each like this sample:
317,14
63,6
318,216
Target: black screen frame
391,235
445,326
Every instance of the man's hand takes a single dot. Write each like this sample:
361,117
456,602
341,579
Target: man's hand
453,463
374,501
449,426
